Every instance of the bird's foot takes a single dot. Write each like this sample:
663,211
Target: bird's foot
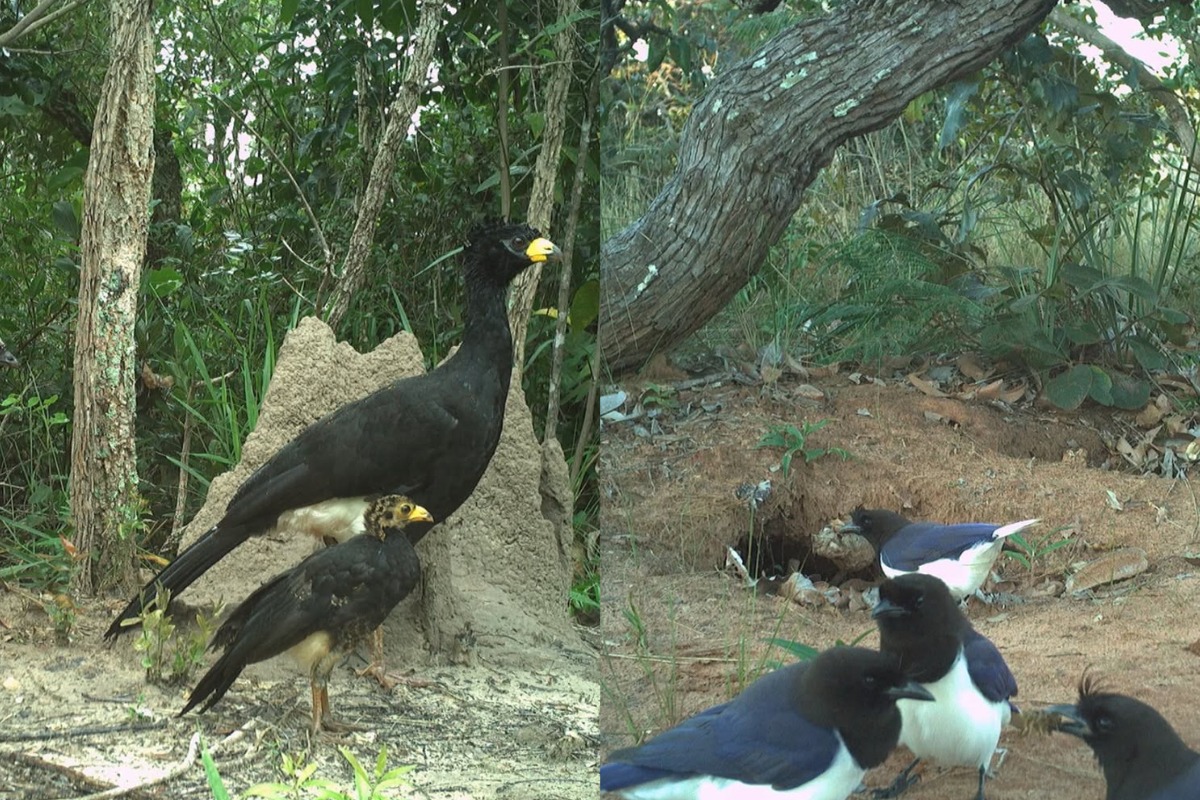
389,680
1001,754
904,781
329,724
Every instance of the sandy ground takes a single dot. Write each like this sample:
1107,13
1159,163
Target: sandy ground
681,633
517,723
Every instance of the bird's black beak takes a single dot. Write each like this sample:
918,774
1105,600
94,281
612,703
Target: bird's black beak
886,608
909,691
1072,723
850,527
7,359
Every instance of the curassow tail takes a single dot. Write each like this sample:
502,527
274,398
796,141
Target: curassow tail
179,574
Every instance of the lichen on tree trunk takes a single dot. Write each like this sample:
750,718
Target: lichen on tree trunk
758,137
105,508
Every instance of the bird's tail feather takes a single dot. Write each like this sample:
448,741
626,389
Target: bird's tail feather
1013,527
215,683
179,574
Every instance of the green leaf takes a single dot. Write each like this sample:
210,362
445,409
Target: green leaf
163,282
1129,392
802,652
65,219
585,305
1147,353
215,784
287,11
1067,390
1101,389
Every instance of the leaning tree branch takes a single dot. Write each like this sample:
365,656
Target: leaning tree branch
1170,103
761,134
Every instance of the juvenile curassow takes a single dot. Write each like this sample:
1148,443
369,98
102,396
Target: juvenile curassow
322,608
429,437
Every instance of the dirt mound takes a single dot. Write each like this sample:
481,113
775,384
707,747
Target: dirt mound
496,573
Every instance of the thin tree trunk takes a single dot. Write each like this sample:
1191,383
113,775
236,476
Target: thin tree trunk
105,506
759,136
545,174
394,133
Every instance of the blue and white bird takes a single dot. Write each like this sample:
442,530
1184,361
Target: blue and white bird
808,731
921,624
960,554
1142,756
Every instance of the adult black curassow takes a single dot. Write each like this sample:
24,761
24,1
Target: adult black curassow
7,359
429,437
320,610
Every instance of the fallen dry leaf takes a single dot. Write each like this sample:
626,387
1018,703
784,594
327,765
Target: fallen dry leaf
1149,416
925,387
968,364
991,391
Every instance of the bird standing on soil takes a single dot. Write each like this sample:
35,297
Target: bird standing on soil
921,624
7,359
429,437
808,730
1142,756
960,554
322,608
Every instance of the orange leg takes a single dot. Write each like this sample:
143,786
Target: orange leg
377,670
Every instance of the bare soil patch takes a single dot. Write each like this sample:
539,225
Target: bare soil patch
681,633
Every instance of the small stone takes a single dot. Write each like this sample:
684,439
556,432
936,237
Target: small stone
856,602
1049,588
11,684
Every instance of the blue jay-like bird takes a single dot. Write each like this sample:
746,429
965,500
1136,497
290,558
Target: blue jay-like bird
960,554
1141,755
921,624
808,731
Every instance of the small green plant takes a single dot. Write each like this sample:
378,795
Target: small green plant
1034,550
170,656
378,784
584,596
61,610
794,440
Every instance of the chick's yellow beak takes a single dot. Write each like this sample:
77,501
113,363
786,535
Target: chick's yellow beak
542,249
419,514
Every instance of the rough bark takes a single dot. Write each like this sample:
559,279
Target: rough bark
116,213
758,138
545,173
416,75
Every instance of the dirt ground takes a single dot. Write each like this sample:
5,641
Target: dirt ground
78,719
680,632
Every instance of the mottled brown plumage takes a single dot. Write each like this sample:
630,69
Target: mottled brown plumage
322,608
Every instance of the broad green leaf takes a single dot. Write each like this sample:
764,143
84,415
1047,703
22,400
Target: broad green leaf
1101,388
1146,353
1129,392
1069,389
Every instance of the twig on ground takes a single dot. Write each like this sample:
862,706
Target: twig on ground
90,730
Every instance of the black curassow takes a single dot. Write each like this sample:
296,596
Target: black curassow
429,437
320,610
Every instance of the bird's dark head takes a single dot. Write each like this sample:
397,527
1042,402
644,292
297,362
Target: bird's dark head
858,680
855,690
502,250
876,525
7,359
1118,728
392,512
916,603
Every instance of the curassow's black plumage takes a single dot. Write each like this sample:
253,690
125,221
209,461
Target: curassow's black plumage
429,437
322,608
1142,756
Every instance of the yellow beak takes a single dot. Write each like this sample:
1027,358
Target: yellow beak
542,249
419,514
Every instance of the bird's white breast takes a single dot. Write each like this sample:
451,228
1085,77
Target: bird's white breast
837,782
963,575
960,727
338,519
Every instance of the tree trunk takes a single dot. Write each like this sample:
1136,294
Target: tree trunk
394,133
545,173
757,139
116,212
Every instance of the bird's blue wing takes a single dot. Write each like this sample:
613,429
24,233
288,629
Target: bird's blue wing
1185,787
987,669
756,738
922,542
